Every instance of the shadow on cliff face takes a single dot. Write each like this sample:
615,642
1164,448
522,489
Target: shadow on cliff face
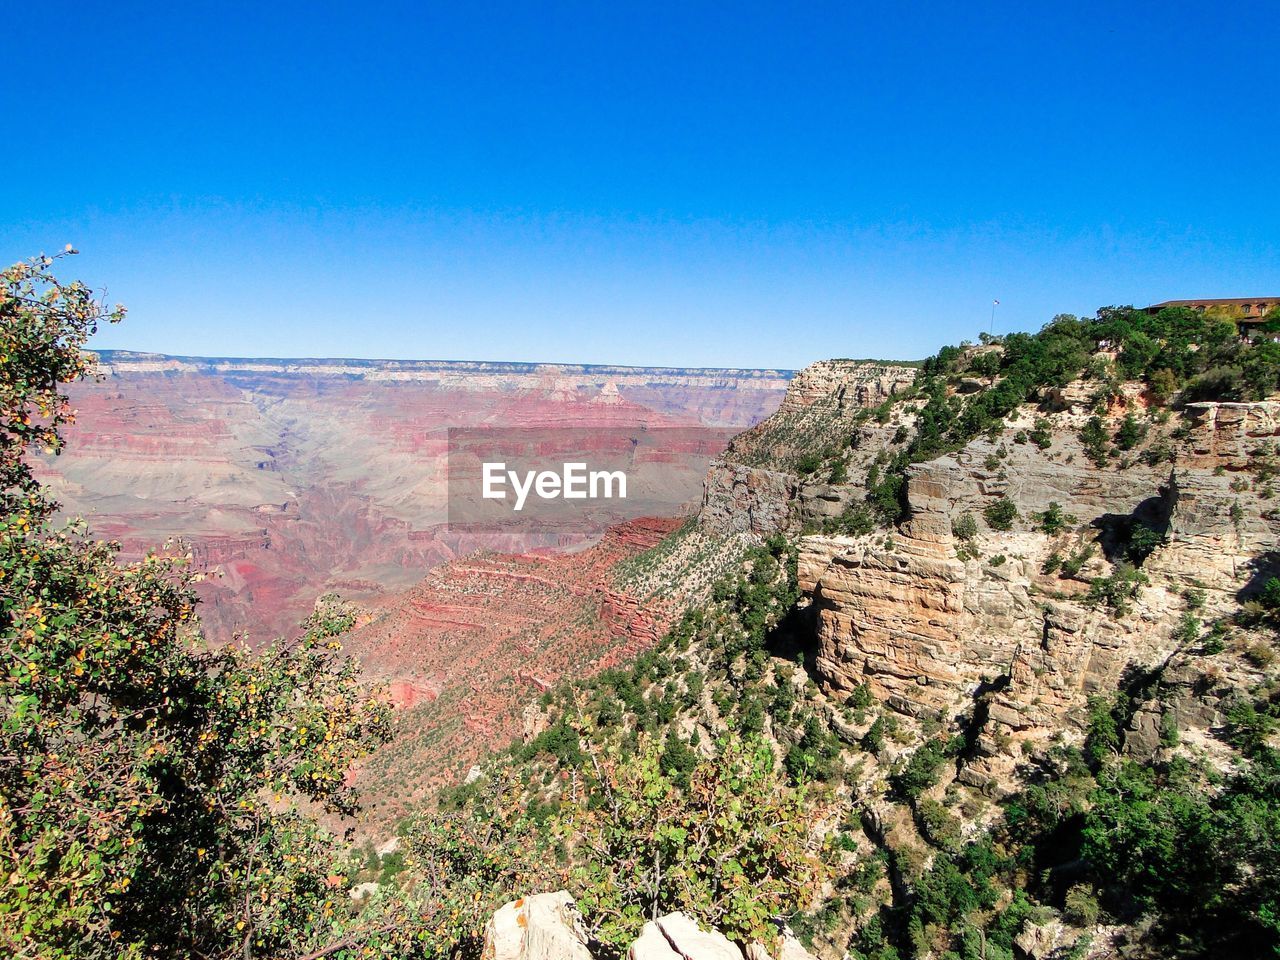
795,639
1261,568
1132,536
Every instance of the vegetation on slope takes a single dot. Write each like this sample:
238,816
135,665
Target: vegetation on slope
153,792
149,787
1180,354
920,865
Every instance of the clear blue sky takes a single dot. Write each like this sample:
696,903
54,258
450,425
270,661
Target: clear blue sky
702,184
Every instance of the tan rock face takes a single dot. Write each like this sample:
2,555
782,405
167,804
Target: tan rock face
738,498
678,937
928,630
546,926
756,488
1228,434
891,617
858,383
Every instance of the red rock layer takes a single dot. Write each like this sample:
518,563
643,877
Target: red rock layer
466,650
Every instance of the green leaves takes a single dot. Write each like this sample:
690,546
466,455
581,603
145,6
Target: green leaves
730,849
148,785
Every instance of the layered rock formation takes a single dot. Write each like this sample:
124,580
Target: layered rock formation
930,622
761,484
290,478
464,651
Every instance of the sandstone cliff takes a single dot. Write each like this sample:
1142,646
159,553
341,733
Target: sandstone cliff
777,476
931,622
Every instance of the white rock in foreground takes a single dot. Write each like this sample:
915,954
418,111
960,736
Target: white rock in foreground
678,937
546,926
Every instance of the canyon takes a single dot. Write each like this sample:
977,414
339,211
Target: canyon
288,479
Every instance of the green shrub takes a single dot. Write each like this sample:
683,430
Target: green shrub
809,462
922,770
965,527
1001,514
1130,433
1041,434
1094,437
1053,520
1118,589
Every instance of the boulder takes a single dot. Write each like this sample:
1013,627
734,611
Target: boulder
677,936
546,926
1044,941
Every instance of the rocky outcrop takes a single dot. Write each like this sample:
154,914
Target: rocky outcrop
858,383
739,498
758,486
678,937
542,927
547,926
931,626
1229,434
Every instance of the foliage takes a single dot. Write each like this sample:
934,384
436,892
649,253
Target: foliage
1001,514
1143,540
148,786
922,770
1118,589
813,756
1161,838
44,325
731,849
1053,520
965,527
1093,435
1130,433
1040,434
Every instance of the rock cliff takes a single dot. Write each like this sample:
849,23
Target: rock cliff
777,476
931,622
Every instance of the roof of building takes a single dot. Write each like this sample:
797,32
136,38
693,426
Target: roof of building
1218,302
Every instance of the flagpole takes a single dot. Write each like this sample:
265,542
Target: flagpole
991,328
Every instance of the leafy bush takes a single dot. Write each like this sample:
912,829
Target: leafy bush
922,770
1094,437
1205,861
1130,433
1001,514
151,787
965,527
1040,434
1053,520
1118,589
809,462
1143,540
646,850
1072,565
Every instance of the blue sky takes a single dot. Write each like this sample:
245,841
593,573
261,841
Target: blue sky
686,184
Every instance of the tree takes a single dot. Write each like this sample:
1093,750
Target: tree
1053,520
731,849
965,527
1001,514
148,785
1130,433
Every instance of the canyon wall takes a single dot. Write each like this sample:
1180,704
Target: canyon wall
931,622
759,484
290,478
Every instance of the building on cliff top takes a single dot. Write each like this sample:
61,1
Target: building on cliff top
1248,312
